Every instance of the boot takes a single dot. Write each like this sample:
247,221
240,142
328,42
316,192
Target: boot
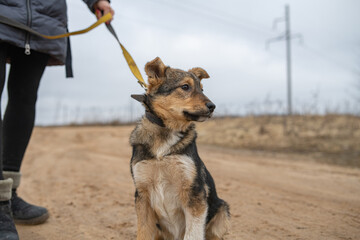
23,212
7,226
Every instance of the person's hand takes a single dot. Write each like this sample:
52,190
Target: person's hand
102,7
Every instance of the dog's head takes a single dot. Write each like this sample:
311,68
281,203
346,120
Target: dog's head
176,96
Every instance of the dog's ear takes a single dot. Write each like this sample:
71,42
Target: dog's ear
199,72
144,99
139,97
155,68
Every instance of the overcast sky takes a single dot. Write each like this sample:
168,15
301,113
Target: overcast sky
227,38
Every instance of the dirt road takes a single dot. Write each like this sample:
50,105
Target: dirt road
82,176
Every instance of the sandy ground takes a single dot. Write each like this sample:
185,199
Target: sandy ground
82,176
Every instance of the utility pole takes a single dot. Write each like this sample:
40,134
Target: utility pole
288,58
287,36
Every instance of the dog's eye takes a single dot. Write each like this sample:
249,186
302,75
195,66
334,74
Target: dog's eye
185,87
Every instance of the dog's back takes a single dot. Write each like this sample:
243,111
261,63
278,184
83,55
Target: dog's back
175,194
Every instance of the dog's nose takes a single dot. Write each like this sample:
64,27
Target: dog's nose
210,106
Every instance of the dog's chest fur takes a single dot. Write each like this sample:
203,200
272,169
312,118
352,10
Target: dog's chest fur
163,173
164,182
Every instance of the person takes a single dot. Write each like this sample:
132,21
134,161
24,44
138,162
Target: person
28,56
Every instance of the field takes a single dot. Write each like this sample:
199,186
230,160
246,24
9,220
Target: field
331,139
82,175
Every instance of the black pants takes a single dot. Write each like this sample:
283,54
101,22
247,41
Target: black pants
23,83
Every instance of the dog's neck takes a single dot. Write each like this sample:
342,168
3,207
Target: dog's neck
161,141
154,119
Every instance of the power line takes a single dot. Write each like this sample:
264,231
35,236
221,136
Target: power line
331,60
244,21
247,26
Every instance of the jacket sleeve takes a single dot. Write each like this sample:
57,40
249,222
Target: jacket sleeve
90,4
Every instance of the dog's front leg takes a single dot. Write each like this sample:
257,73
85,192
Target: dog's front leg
195,217
146,219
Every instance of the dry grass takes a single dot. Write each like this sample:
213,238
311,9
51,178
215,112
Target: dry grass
331,138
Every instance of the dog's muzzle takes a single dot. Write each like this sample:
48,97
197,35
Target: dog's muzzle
201,115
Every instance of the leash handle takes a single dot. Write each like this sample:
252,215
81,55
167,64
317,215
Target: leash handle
130,61
21,26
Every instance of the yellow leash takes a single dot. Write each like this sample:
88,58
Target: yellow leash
130,61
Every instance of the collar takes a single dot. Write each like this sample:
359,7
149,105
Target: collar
154,118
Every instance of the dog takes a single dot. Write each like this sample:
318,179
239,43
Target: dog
175,195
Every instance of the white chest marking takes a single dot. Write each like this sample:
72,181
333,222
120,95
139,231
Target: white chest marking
165,147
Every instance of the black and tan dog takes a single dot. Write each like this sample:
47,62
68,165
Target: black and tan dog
175,194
